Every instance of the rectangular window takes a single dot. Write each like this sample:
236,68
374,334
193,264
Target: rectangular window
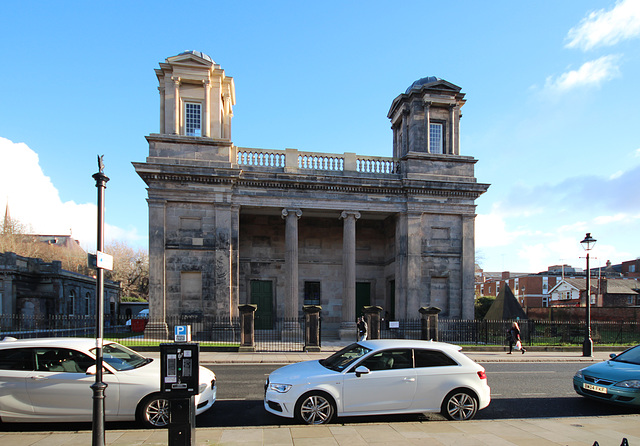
435,138
312,293
192,119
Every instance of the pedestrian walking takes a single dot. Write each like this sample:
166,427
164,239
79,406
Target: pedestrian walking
515,341
362,329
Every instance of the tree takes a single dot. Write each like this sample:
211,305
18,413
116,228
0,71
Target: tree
482,306
130,268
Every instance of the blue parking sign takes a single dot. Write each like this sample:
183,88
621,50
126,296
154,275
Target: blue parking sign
182,333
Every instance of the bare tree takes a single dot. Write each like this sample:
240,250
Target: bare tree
130,268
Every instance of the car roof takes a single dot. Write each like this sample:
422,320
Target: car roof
380,344
79,343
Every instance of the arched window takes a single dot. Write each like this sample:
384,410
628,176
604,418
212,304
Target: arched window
71,303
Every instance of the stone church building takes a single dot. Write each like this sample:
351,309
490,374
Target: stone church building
233,225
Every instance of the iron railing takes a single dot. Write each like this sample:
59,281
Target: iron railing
288,334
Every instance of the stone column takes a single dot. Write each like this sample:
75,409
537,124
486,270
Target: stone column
176,105
162,99
405,131
157,326
427,125
452,133
409,286
247,331
468,264
291,217
312,328
429,323
372,316
206,128
348,325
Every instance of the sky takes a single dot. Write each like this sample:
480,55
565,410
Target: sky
552,113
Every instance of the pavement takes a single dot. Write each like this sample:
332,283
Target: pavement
570,431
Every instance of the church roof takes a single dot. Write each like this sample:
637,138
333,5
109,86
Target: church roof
423,81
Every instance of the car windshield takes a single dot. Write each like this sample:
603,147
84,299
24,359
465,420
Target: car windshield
122,358
631,356
345,357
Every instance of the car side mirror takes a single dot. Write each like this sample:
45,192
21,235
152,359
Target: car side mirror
91,370
612,355
361,370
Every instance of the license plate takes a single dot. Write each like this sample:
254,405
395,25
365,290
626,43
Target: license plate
595,388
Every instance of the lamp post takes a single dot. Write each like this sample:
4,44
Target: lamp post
99,386
587,345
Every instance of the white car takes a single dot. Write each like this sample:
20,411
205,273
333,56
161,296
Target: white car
49,379
380,377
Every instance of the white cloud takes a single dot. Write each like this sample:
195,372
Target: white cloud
606,28
591,73
34,200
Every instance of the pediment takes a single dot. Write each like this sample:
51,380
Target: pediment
191,59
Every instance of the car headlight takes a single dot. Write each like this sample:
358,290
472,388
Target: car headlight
578,374
280,388
629,384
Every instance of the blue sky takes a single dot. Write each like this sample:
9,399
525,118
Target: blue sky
552,111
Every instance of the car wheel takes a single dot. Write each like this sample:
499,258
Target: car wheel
153,411
315,408
460,405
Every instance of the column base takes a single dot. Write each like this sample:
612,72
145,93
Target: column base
348,331
157,330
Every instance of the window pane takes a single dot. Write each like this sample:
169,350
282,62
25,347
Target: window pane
435,138
192,119
16,359
431,358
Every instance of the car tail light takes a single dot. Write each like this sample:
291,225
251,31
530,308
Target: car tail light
482,374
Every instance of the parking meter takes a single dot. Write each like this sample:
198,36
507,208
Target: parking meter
179,369
179,382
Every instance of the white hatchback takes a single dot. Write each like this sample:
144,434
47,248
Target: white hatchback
380,377
49,379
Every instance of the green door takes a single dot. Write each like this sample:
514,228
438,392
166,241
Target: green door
363,297
262,296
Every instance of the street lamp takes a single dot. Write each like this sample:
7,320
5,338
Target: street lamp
587,345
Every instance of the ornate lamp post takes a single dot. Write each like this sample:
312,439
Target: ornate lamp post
587,345
99,386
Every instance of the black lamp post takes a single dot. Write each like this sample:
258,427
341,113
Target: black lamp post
587,345
99,386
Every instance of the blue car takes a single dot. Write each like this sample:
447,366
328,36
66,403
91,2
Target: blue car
614,381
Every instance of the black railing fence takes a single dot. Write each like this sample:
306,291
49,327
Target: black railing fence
288,334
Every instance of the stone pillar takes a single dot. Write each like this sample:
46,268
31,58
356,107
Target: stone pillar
247,331
162,99
176,105
427,125
468,263
405,131
429,323
206,128
372,317
348,325
291,217
312,328
452,133
157,326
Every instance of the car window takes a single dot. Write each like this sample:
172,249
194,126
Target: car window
389,359
342,359
16,359
432,358
631,356
122,358
62,360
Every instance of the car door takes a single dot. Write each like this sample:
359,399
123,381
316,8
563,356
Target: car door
437,374
16,364
390,384
59,388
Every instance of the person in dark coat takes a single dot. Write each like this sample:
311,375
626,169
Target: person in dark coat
514,338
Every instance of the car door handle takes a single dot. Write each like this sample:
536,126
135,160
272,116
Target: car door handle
38,377
409,380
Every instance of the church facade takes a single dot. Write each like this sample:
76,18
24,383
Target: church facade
231,225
